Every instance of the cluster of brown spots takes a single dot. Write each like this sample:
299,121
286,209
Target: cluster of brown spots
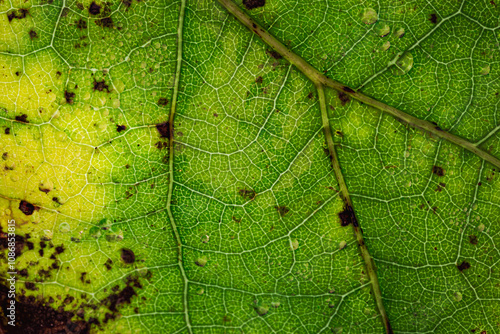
69,96
119,298
439,171
247,193
433,18
42,318
258,80
23,118
33,34
344,98
164,129
282,210
473,239
81,24
251,4
30,286
274,54
100,85
463,266
21,242
94,9
106,22
121,128
162,101
161,145
348,217
18,14
127,256
83,278
26,207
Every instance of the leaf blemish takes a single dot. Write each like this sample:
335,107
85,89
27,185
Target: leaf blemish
127,256
247,193
463,266
26,208
19,14
23,118
33,34
69,96
348,217
282,210
94,9
251,4
439,171
348,90
162,101
433,18
120,128
274,54
164,129
344,98
100,85
473,239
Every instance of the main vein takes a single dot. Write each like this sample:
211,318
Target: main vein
317,77
171,164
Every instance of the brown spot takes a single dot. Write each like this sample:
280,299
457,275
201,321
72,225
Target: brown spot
463,266
164,129
33,34
30,286
42,318
162,101
433,18
121,128
310,95
251,4
348,90
127,3
69,96
274,54
106,22
24,272
348,217
439,171
258,80
344,98
282,210
127,256
493,3
94,9
473,239
19,14
247,193
59,249
100,85
108,264
23,118
7,131
56,200
81,24
26,208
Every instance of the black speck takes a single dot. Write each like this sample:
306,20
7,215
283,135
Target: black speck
100,85
348,217
7,131
433,18
121,128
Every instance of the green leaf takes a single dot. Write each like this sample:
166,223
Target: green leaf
250,166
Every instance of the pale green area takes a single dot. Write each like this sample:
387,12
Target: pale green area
254,197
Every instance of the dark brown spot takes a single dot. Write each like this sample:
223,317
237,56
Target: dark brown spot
493,3
24,272
108,264
274,54
162,101
100,85
348,90
251,4
344,98
310,95
282,210
433,18
33,34
106,22
23,118
56,200
69,96
81,24
26,208
127,3
247,193
121,128
463,266
473,239
164,129
94,9
7,131
59,249
258,80
439,171
161,145
348,217
127,256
